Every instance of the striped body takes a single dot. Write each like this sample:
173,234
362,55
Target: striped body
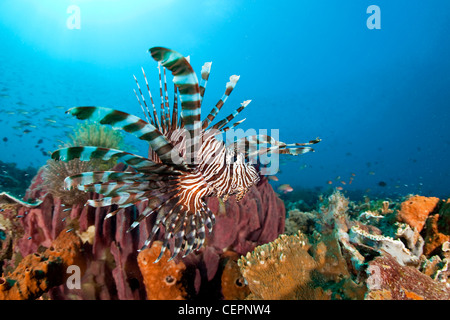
186,163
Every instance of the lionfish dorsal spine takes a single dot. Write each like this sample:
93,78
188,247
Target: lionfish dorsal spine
155,120
206,70
219,125
186,80
215,110
162,108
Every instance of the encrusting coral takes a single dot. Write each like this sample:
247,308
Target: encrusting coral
37,273
162,280
416,210
437,229
388,280
280,269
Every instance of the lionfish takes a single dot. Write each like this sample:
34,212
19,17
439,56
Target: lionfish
186,162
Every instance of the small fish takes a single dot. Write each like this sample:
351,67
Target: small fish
382,184
50,120
273,178
339,188
26,131
371,173
343,182
330,182
5,139
285,188
40,141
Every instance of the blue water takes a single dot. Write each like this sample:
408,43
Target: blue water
378,98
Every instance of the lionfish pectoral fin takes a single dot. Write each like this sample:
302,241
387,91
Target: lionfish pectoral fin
134,125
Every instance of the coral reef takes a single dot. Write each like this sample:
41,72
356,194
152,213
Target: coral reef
344,243
111,257
338,250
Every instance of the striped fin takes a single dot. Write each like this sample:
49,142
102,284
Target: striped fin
86,178
166,99
276,149
175,108
113,188
89,153
233,125
206,70
225,121
131,124
122,198
229,88
161,94
186,80
149,120
162,197
146,114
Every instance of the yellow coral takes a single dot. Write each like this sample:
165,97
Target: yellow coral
280,269
96,135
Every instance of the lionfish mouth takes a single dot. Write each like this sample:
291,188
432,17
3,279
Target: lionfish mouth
186,163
